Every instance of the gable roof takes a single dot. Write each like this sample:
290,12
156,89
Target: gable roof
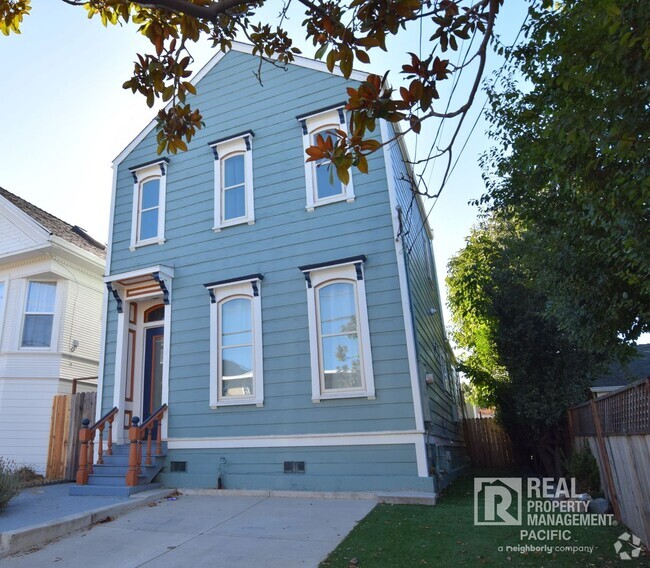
240,47
55,226
620,375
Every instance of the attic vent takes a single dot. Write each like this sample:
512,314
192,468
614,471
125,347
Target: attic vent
178,467
294,467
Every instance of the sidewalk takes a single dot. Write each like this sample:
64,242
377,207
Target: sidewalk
204,531
41,514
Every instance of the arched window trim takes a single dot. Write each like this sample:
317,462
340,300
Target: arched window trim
142,175
219,294
241,144
321,364
317,279
220,346
312,125
145,316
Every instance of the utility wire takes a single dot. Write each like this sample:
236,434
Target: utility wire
498,75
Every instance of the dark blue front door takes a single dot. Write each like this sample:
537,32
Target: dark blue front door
153,366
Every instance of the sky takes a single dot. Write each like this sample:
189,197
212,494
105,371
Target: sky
65,116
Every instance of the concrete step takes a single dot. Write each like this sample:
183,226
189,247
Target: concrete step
113,469
112,490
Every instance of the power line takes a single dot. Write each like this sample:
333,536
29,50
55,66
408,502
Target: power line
498,75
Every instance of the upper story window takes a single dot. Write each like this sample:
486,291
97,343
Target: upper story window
236,373
149,189
323,186
39,314
339,336
233,181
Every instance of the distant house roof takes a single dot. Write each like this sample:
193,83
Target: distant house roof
620,375
71,233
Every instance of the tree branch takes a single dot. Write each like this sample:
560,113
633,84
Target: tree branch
186,7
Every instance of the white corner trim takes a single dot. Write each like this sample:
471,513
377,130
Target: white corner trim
102,356
406,305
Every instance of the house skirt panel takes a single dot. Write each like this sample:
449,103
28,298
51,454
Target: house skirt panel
362,468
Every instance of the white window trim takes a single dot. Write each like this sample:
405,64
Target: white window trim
56,313
316,277
218,294
310,125
141,174
223,149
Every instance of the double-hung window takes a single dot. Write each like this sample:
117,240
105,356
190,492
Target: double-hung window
149,189
323,186
233,181
38,319
236,373
339,337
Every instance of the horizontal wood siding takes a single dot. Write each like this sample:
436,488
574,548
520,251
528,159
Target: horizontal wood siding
441,399
283,237
367,468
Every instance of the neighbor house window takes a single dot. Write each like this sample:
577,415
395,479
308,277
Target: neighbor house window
339,337
236,342
323,186
39,314
149,188
233,181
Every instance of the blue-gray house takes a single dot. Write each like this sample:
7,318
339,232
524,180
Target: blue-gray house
292,324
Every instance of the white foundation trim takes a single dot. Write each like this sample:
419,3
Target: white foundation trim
303,440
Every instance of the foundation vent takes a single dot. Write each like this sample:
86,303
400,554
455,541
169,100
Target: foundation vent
294,467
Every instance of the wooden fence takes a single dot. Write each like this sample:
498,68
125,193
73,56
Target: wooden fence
68,410
488,444
617,429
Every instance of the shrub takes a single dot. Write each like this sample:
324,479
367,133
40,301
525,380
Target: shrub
27,477
9,483
584,468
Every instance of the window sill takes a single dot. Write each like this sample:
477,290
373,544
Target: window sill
340,395
238,402
336,199
148,242
233,223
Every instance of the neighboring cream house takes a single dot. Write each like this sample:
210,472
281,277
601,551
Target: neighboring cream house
50,320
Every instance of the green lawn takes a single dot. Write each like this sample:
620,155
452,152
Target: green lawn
404,536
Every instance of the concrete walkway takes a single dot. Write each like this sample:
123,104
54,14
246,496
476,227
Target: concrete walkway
207,531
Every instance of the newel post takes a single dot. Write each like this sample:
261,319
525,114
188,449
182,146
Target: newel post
134,453
84,439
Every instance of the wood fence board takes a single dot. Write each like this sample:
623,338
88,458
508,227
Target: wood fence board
487,443
68,410
58,437
625,419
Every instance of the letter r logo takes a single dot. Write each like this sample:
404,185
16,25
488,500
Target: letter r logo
497,501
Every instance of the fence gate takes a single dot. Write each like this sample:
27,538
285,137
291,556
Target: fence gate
488,444
68,410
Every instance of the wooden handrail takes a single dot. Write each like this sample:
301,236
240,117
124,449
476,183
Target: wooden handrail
136,435
87,444
155,416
